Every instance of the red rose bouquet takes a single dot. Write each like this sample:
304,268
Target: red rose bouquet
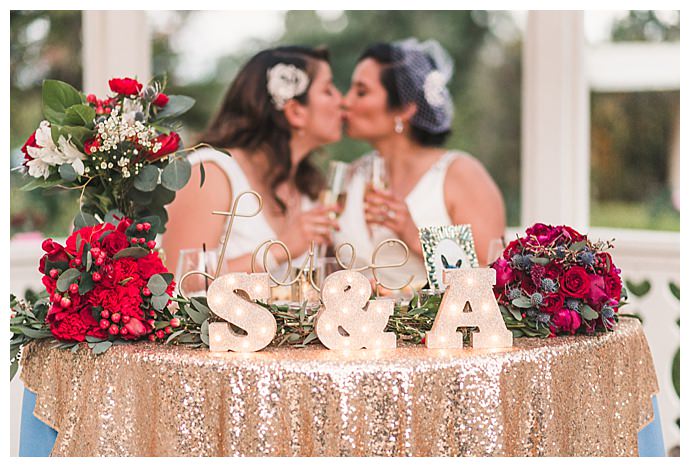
106,283
554,280
120,152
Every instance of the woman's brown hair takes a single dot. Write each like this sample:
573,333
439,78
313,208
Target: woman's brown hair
248,119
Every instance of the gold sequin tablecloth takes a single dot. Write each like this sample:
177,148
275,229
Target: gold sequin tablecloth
586,396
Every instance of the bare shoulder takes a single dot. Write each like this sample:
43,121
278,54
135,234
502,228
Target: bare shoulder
467,171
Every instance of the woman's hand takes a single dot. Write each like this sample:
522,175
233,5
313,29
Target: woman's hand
315,225
383,208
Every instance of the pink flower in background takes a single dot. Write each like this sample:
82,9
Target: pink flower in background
504,274
567,320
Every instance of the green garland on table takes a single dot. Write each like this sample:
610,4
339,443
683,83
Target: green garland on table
295,325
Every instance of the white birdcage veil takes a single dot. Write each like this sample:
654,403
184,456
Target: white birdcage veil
425,69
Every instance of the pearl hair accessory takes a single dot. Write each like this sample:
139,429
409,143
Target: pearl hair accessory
473,287
285,82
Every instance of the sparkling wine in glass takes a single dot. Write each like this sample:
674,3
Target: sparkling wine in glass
335,191
378,180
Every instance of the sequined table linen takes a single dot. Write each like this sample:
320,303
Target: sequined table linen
571,396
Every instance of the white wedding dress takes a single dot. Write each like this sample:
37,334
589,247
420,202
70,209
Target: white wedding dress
247,232
427,208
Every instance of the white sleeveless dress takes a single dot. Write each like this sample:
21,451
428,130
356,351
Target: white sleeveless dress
427,207
247,232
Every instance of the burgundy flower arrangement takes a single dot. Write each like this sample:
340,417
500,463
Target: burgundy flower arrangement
106,283
555,281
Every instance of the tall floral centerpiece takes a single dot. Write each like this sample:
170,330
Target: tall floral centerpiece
121,151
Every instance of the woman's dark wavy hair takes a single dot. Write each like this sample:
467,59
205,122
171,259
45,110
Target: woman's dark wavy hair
248,119
391,73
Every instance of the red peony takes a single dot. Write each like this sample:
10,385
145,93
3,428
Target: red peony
114,242
87,234
614,286
54,253
576,282
161,100
504,274
552,303
567,320
169,143
125,86
597,291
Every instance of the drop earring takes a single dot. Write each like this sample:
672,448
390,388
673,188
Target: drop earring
398,125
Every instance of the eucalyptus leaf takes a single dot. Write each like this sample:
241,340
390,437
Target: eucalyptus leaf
85,283
34,333
177,105
197,316
173,335
157,284
14,367
159,302
101,347
176,174
67,173
588,312
522,302
147,179
140,198
163,196
204,333
84,219
201,307
58,96
40,183
538,260
67,278
131,252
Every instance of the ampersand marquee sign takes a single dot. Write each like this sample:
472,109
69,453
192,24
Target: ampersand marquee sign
343,323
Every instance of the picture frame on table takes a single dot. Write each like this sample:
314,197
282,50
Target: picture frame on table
447,247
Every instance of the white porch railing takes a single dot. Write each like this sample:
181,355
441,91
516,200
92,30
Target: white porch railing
642,255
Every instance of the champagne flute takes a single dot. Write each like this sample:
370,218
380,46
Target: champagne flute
378,180
197,259
334,193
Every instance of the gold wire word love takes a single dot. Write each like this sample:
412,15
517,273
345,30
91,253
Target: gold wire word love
308,267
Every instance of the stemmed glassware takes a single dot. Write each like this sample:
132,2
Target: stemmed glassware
378,180
335,193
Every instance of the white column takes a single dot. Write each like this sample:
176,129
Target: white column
116,44
555,120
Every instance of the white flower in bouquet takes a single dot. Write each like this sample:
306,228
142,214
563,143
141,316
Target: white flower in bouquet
72,155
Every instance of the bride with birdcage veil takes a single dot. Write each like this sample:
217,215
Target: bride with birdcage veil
399,103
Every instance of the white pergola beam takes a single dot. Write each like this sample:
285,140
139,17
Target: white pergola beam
116,44
555,121
633,67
